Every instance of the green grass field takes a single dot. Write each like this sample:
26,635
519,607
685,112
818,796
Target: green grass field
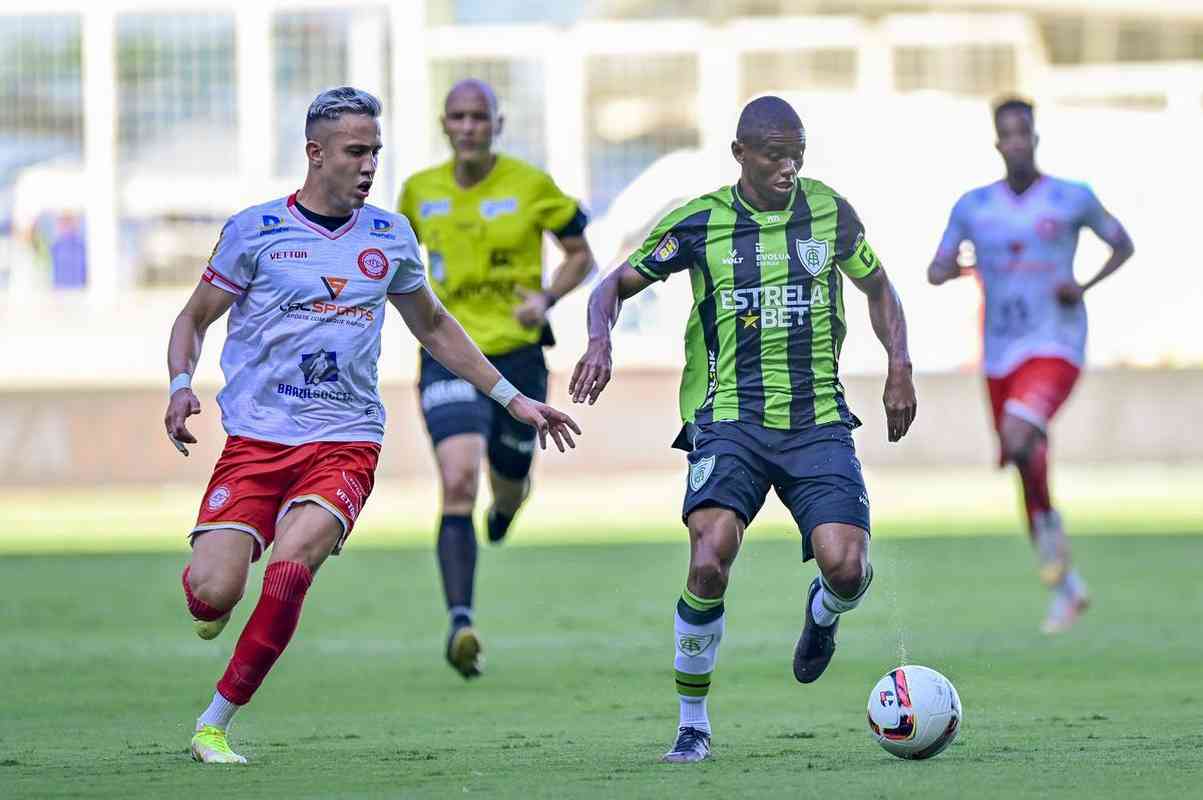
103,676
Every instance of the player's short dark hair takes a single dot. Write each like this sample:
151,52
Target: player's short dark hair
333,103
1013,104
766,115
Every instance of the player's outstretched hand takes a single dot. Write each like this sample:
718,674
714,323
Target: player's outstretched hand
900,403
546,420
1069,294
592,372
532,312
183,404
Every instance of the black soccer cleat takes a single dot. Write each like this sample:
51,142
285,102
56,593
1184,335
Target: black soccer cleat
497,525
816,645
693,744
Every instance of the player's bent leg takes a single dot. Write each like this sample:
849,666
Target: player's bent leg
305,537
508,496
215,578
842,553
459,457
715,535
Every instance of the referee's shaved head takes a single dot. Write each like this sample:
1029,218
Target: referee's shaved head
766,115
474,86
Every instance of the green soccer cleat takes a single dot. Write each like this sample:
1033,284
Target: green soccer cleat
210,746
210,628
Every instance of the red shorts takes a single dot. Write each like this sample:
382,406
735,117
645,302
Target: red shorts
1033,391
255,483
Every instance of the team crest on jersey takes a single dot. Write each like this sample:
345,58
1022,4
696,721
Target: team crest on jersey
668,247
699,473
373,263
812,253
219,497
319,367
693,645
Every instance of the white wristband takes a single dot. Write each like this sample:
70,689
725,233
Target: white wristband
503,392
181,381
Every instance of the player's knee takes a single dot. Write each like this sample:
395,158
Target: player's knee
214,587
460,482
708,574
847,576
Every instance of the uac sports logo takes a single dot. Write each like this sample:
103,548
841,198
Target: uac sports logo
694,645
319,367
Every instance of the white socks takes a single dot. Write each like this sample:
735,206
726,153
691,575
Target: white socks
827,605
219,712
694,714
823,616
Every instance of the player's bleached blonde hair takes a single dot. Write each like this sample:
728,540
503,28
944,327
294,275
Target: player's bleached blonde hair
333,103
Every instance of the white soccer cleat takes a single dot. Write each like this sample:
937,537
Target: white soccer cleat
1063,612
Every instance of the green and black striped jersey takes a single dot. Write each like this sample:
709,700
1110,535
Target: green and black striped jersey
763,341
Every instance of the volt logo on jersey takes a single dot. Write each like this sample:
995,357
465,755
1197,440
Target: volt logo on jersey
334,286
271,224
812,253
319,367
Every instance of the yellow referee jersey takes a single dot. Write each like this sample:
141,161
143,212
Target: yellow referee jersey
484,242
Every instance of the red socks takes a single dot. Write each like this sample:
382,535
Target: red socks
1034,475
199,608
268,630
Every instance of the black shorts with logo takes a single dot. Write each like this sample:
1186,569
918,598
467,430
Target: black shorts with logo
451,406
815,472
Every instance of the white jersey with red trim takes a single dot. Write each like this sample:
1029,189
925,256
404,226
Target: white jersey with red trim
304,334
1025,247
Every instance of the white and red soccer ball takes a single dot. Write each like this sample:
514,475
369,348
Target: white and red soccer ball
914,712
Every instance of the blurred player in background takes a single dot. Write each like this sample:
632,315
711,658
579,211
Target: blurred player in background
307,277
760,395
482,216
1024,230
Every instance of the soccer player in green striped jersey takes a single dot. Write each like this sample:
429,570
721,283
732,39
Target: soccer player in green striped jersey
761,399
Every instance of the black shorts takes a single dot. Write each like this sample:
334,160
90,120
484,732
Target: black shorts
815,472
451,406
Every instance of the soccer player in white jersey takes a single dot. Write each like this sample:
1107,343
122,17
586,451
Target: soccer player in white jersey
1024,231
305,278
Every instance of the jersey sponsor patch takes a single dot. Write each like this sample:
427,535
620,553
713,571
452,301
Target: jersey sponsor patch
334,286
668,247
382,229
434,208
319,367
812,253
373,263
491,209
700,472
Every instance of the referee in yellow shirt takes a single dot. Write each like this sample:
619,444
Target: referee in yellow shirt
481,217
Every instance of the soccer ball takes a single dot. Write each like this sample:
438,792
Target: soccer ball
914,712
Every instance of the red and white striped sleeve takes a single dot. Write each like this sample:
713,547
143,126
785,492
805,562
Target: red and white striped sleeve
230,267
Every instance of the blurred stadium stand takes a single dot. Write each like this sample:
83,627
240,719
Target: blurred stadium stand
138,127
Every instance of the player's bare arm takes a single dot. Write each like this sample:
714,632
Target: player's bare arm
943,269
578,263
442,335
1122,249
206,305
889,323
595,367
